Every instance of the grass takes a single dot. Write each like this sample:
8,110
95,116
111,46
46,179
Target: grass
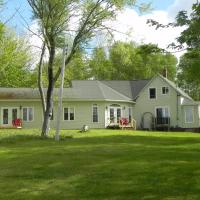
99,165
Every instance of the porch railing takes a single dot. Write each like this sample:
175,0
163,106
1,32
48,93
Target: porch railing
162,123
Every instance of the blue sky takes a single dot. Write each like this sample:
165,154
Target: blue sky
18,23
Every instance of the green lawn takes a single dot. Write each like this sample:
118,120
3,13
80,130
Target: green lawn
100,164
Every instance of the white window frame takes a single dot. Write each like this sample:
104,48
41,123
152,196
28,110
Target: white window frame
162,108
156,93
27,114
189,122
68,107
162,90
95,105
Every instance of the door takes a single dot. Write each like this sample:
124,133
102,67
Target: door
147,121
8,115
115,115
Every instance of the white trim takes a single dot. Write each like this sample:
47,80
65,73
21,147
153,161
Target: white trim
68,120
192,115
149,93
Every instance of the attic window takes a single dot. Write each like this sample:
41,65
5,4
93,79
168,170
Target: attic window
165,90
152,93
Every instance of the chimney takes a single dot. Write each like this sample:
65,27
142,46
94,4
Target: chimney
164,72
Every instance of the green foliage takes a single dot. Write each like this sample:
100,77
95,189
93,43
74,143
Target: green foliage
190,36
100,66
126,61
101,164
14,59
189,68
189,73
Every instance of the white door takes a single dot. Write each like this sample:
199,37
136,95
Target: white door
8,115
115,115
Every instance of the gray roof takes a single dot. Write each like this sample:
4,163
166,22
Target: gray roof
85,90
130,89
80,90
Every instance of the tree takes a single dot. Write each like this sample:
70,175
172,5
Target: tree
15,68
128,61
56,17
189,73
189,39
100,65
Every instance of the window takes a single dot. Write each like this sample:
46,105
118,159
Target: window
162,112
152,93
27,114
189,115
129,115
95,113
69,114
165,90
118,114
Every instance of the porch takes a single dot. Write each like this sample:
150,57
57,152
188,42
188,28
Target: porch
162,123
123,123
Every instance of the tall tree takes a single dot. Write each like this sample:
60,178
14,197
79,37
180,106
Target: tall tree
79,19
128,61
15,68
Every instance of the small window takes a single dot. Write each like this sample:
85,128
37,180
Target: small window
165,90
152,93
95,113
69,114
27,114
189,115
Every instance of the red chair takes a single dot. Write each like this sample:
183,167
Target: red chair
17,123
124,121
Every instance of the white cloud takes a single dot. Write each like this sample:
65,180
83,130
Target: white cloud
140,32
129,21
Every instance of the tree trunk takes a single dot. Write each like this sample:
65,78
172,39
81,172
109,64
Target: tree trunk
40,85
49,98
57,136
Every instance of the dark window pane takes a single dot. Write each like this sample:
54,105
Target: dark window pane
5,116
14,114
129,115
95,114
118,114
65,113
112,115
30,114
152,93
71,113
25,114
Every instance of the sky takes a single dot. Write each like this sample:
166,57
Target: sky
128,21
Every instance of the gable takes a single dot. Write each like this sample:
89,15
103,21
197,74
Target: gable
164,82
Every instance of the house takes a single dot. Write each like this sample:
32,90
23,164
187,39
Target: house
154,103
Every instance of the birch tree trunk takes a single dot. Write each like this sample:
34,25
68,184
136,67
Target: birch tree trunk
49,98
40,85
60,95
